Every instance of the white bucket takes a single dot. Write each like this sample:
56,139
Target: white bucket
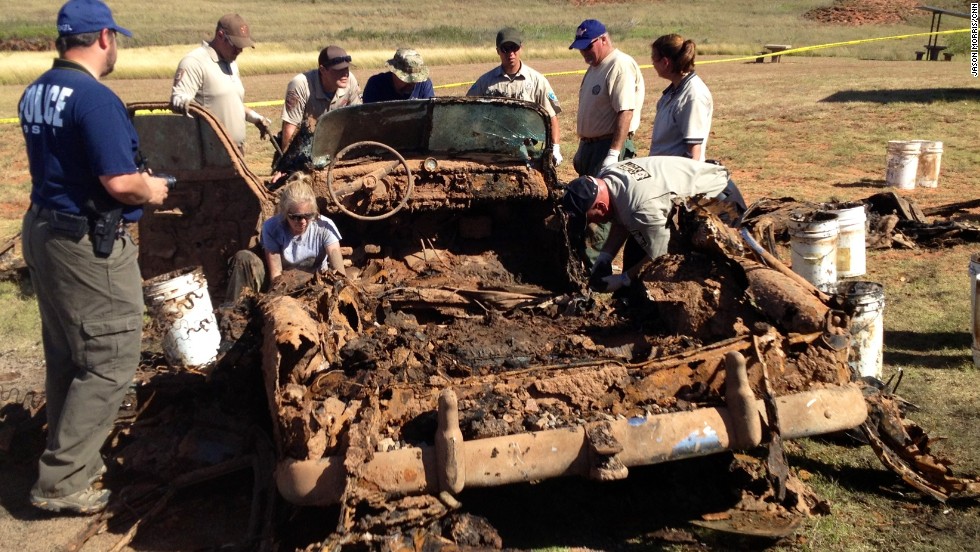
927,175
903,163
179,300
852,221
813,241
866,302
974,302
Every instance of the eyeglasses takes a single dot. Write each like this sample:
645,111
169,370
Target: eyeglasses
592,44
510,48
300,217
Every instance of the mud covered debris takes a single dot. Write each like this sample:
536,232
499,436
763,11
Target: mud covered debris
893,221
462,349
906,449
357,368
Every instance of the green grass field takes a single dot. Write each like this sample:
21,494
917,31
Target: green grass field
813,128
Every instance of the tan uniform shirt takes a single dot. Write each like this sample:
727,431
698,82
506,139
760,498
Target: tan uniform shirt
214,84
615,85
527,84
643,189
305,97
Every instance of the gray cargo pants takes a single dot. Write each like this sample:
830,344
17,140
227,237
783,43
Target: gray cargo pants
246,271
91,326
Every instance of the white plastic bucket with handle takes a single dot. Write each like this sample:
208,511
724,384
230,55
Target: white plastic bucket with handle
813,241
974,303
927,174
903,163
179,301
866,302
852,221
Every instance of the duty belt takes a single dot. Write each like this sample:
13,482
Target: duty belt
603,137
67,224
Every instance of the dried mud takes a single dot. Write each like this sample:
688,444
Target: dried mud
357,366
864,12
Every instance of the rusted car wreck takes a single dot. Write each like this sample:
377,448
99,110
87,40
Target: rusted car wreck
463,348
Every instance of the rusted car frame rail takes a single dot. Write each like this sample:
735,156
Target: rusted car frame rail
452,464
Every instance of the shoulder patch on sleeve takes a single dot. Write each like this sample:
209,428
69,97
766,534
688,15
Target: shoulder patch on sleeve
292,100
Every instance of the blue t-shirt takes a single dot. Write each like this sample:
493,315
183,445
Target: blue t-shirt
300,251
76,130
380,88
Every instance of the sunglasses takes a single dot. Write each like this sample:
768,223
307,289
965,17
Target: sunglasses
509,48
592,44
300,217
228,40
334,61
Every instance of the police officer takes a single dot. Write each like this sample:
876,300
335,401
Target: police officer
515,79
310,94
636,196
610,100
85,187
208,75
407,78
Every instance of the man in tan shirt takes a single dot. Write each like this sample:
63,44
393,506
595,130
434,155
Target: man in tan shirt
610,99
514,79
308,95
209,76
609,102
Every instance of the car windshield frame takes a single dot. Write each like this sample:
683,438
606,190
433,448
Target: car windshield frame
448,127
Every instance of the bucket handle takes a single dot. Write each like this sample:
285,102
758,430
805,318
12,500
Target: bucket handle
189,297
976,301
820,258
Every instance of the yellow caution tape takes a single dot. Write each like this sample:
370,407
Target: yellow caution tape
823,46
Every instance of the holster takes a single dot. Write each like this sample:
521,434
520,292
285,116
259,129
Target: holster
105,230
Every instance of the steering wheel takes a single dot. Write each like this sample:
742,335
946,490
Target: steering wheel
373,188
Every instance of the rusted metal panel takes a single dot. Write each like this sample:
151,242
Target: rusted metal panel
559,453
218,205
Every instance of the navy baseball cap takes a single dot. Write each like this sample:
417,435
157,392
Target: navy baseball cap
589,30
579,197
86,16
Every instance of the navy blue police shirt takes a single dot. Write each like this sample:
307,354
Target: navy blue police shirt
380,88
76,129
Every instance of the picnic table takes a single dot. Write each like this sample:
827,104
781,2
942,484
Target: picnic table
772,49
933,48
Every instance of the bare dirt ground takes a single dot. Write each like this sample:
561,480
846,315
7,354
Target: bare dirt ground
863,12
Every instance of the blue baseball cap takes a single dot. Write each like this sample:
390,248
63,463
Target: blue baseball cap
589,30
86,16
579,197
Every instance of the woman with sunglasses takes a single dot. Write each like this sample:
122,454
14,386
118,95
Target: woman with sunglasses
684,112
296,238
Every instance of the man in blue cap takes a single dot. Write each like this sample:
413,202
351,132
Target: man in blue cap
610,100
637,196
85,188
